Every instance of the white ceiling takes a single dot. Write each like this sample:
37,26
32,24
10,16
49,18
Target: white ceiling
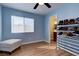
28,7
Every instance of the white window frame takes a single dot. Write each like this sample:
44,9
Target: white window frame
29,23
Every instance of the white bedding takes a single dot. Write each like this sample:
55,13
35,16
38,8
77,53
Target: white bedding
11,41
10,45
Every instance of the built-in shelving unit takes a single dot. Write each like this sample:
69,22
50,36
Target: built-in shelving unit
68,40
70,25
0,23
64,31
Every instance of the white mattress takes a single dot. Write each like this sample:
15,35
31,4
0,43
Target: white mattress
11,41
10,45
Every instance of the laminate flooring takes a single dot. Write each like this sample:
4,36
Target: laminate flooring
38,49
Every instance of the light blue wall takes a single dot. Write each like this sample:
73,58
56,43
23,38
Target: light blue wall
65,11
27,37
41,23
0,23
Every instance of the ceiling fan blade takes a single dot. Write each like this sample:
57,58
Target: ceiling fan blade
36,6
48,5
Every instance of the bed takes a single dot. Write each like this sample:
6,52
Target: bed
10,45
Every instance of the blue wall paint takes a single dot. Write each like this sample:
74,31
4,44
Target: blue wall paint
27,37
0,23
67,10
41,23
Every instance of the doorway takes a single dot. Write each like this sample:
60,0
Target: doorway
52,29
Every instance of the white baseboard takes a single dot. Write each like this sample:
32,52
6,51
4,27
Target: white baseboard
46,41
34,42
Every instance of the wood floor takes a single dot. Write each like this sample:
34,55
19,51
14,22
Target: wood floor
39,49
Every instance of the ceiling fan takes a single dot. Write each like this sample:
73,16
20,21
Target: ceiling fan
37,4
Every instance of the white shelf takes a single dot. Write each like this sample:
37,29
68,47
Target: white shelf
69,37
70,25
68,51
68,43
64,31
71,43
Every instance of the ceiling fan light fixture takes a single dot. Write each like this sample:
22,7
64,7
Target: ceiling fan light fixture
41,3
37,4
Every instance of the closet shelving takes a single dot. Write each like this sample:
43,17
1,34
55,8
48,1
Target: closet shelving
68,42
70,25
64,31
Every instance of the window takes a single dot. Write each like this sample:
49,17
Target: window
21,24
29,25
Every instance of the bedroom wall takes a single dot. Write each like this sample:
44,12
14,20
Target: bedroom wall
63,12
0,24
38,33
